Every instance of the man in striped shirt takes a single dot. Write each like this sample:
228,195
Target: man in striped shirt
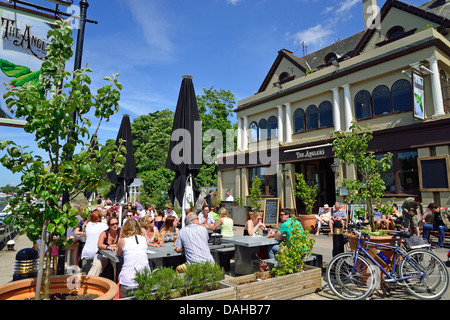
193,239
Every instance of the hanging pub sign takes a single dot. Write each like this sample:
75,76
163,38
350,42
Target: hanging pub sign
22,50
418,96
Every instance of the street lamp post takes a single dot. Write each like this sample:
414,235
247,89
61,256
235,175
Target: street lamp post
77,65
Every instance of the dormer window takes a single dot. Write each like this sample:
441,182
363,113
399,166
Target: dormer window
394,32
283,77
330,57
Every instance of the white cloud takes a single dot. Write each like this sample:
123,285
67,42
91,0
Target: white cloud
316,36
323,34
347,5
153,22
327,9
233,2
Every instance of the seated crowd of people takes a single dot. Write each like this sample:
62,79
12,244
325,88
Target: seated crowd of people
143,227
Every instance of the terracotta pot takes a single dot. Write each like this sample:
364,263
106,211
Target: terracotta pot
308,220
26,288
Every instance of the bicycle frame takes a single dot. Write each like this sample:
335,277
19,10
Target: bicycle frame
397,254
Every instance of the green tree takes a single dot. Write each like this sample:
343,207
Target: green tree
151,139
71,166
156,184
351,148
215,108
255,194
306,193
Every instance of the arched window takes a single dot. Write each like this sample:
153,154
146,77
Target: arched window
262,129
401,95
299,120
253,132
283,77
325,114
272,126
312,118
381,100
330,57
362,105
394,32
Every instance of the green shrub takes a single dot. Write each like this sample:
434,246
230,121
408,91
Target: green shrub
293,251
202,277
158,284
164,283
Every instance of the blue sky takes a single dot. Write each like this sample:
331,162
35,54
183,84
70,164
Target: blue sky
228,44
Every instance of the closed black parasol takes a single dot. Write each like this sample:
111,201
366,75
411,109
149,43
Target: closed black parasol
128,173
94,144
185,150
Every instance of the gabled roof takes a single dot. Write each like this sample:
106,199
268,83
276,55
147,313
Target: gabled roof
438,7
435,11
283,54
342,48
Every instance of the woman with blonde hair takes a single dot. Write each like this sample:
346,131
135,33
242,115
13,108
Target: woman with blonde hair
254,225
226,222
133,247
150,232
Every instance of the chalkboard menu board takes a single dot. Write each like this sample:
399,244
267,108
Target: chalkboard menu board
271,211
434,173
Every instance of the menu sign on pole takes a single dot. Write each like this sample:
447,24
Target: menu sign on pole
271,211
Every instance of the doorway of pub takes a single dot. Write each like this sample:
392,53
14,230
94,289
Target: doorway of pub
317,172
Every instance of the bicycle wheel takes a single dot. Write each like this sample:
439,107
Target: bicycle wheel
435,281
350,279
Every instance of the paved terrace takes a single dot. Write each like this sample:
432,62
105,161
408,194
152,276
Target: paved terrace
323,246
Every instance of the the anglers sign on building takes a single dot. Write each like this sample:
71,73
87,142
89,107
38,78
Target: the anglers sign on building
22,51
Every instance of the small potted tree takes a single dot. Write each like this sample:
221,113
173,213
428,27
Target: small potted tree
351,148
308,195
255,195
56,113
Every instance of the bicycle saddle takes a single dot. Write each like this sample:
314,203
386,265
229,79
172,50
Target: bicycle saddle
401,234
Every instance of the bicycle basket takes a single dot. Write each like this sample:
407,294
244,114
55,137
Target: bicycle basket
416,243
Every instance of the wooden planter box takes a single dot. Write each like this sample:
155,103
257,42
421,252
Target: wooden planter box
279,288
226,292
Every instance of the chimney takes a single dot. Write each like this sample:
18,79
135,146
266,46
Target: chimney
370,10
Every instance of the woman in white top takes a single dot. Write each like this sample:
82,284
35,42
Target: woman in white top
133,247
94,229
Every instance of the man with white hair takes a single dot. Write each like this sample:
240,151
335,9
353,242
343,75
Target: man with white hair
193,240
339,216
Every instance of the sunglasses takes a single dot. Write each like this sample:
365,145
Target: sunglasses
129,215
114,224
